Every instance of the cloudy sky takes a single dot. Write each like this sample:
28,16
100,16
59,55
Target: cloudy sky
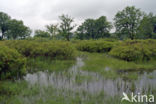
38,13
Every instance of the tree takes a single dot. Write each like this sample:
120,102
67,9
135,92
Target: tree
86,30
102,27
41,33
94,29
147,27
52,29
17,30
4,19
127,22
66,26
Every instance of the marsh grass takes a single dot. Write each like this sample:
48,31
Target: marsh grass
98,62
43,63
25,94
21,92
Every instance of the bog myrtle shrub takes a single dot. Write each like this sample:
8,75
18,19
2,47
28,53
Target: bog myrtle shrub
12,63
13,54
52,49
134,50
95,45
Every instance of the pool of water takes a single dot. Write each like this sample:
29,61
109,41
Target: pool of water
77,80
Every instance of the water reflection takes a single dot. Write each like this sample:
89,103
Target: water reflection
77,80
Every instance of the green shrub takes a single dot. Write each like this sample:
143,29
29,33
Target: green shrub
52,49
12,64
95,45
134,50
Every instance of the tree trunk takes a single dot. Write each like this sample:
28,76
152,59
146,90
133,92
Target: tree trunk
68,38
2,34
132,38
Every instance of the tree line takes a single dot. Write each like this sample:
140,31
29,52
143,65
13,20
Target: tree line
12,28
130,23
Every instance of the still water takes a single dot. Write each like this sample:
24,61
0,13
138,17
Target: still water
93,83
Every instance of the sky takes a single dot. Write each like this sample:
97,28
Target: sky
38,13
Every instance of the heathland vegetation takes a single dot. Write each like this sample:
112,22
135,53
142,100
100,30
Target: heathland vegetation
132,47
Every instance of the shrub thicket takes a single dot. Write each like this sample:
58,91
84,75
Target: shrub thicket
12,64
134,50
95,45
52,49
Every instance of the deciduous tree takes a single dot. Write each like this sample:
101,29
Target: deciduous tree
4,19
52,29
41,33
66,26
94,28
17,30
147,27
127,22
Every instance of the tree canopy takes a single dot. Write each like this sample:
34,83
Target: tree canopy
4,19
12,28
52,29
147,27
98,28
41,33
66,26
17,30
130,23
127,22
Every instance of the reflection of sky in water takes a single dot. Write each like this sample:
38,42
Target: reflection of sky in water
92,82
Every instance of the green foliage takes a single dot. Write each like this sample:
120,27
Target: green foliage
66,26
4,19
137,50
52,49
10,88
52,29
23,93
127,22
147,26
12,28
94,29
12,64
45,63
110,67
95,45
17,30
42,34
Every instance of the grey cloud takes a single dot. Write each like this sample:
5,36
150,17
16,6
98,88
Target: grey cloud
38,13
